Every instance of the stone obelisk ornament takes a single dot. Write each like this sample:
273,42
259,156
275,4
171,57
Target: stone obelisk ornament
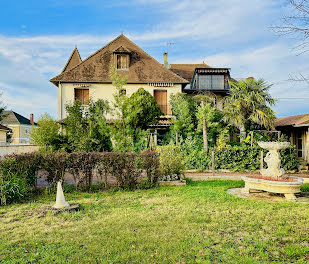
60,200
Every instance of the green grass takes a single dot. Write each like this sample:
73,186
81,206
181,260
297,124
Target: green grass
198,223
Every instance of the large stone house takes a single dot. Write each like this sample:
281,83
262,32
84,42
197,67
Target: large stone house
90,79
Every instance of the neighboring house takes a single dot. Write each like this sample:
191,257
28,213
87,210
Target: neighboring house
297,130
89,78
20,126
3,134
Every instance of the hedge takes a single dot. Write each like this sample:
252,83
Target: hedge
18,172
237,158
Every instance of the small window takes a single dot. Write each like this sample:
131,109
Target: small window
122,61
82,95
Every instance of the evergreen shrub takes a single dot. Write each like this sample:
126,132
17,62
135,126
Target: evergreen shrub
18,173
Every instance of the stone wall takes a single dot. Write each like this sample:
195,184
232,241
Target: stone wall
17,149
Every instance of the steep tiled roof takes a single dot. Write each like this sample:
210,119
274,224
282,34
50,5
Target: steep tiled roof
12,118
186,70
143,68
292,120
74,60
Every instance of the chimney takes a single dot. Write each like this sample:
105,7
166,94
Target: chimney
31,119
165,60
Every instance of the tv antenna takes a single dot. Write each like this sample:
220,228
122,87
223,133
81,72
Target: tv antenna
169,44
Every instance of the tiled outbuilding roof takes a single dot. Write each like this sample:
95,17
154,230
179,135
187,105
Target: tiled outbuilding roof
297,120
142,69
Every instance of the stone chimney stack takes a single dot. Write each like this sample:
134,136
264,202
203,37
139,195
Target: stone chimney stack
31,119
165,60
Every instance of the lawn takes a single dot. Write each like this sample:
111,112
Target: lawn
198,223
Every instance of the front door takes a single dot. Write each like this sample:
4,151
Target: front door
161,98
299,144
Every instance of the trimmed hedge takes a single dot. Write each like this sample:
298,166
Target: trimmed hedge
246,157
18,173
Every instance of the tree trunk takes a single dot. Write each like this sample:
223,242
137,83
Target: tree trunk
205,139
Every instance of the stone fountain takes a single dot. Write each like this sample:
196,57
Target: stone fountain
273,179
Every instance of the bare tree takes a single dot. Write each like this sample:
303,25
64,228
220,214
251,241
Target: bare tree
296,24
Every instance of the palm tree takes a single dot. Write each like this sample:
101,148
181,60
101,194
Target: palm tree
205,113
249,102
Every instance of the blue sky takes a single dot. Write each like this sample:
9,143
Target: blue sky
37,37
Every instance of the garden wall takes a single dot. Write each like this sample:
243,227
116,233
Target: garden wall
17,149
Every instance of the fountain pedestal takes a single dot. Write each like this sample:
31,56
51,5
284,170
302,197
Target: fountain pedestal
272,178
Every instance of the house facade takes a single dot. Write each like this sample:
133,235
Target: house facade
19,125
89,79
296,128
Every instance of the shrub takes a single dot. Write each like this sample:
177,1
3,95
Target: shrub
171,160
234,158
47,135
131,170
17,176
245,157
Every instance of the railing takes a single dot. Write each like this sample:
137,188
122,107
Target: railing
166,109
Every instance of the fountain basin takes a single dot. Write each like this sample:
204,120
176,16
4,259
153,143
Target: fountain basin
288,188
273,145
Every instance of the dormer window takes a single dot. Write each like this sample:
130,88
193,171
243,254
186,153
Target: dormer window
122,58
122,61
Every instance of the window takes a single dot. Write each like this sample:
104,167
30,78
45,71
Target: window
122,61
211,82
123,92
82,95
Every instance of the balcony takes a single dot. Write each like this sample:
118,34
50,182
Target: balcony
166,109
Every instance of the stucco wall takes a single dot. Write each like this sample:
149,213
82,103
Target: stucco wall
17,149
2,137
20,133
104,91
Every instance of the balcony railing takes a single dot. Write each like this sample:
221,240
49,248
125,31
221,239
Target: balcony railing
166,109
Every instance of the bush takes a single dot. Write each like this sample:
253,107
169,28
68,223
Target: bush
194,155
234,158
17,176
245,157
18,172
171,160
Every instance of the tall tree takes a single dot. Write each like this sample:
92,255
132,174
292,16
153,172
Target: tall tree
47,135
249,102
205,113
296,25
122,139
140,110
184,109
86,128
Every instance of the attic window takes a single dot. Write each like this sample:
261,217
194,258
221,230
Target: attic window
122,61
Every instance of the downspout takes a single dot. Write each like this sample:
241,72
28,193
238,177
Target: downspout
60,101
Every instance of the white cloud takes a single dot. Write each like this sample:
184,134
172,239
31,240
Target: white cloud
224,33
